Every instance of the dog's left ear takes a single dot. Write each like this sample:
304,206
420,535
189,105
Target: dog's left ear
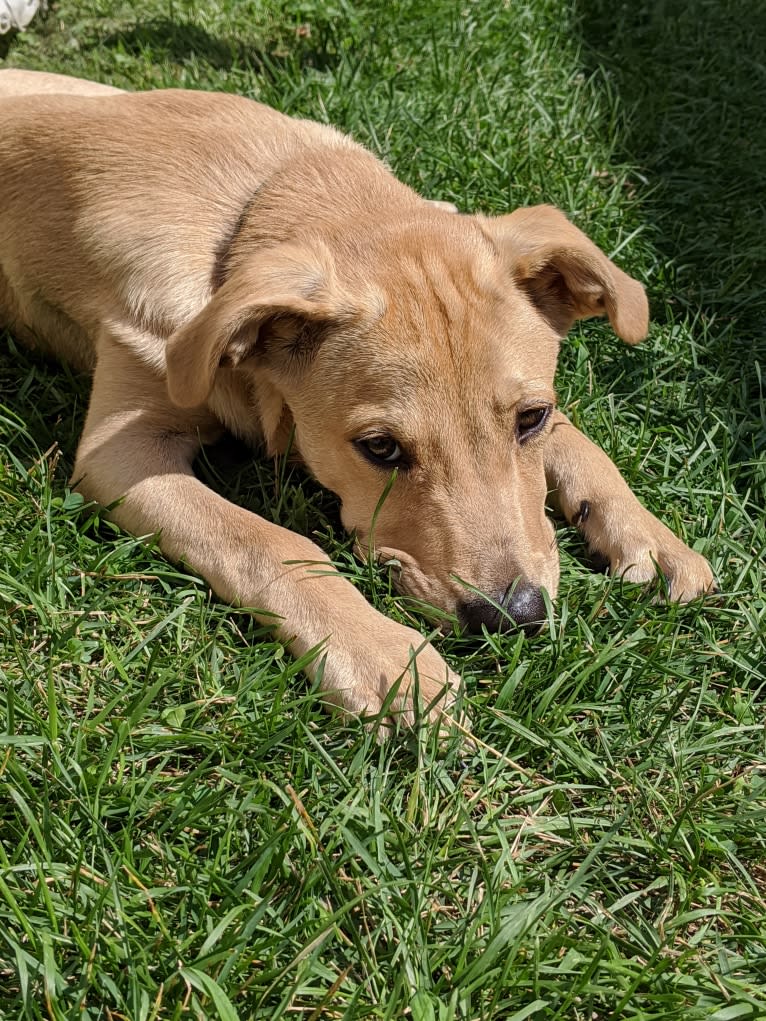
565,275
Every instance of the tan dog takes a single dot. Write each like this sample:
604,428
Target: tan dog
217,264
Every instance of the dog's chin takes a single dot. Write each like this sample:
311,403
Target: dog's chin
431,598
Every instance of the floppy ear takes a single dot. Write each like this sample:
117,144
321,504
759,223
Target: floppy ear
566,276
289,283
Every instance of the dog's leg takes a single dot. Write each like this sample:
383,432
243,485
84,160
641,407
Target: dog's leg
138,448
592,495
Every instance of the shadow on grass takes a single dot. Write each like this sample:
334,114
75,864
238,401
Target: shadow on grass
691,79
166,40
48,397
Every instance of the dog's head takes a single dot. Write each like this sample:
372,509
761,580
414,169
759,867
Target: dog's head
416,366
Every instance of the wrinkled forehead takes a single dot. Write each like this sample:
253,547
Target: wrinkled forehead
449,324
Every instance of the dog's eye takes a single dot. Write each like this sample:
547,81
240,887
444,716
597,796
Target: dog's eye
381,450
531,421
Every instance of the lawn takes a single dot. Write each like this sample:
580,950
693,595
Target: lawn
183,831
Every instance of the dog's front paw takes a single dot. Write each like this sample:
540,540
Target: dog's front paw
634,546
390,671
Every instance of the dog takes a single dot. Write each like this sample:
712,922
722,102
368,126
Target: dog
220,266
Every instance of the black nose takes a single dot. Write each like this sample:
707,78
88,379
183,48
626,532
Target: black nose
522,606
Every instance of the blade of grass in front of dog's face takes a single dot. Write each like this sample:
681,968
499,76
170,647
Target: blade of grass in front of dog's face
165,835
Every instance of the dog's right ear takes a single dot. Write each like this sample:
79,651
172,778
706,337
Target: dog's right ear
290,283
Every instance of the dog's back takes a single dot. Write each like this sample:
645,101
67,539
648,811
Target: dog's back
124,183
15,82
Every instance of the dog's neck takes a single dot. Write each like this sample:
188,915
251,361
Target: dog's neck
229,242
322,193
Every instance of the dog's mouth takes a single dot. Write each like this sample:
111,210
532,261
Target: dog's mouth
408,578
522,605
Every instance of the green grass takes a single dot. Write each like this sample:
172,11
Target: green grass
183,833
